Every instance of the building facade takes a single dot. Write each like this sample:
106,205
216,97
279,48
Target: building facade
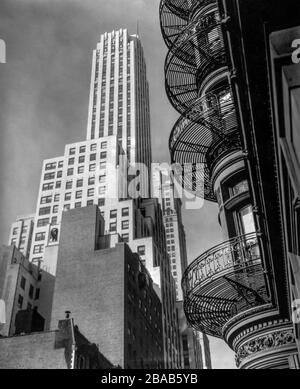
103,170
23,286
217,75
21,234
109,291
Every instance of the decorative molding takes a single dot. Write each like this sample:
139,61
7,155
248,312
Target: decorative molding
267,342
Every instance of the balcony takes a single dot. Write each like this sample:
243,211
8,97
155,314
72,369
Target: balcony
223,282
194,54
206,133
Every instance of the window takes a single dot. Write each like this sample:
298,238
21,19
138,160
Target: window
101,202
89,203
50,166
79,194
56,198
20,301
93,147
44,211
103,155
103,145
102,179
78,205
23,283
58,184
55,209
93,157
43,222
37,294
82,149
125,237
103,165
54,220
125,224
67,207
72,151
79,183
49,176
60,164
80,169
141,250
113,227
68,196
113,213
46,199
59,174
247,220
38,248
81,159
31,290
15,230
240,187
125,211
70,171
91,180
102,190
91,192
40,236
92,167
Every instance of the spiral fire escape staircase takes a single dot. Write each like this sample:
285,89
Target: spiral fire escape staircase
229,280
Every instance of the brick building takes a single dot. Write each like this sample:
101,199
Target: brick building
109,292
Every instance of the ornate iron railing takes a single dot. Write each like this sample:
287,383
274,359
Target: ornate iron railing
197,51
237,253
204,134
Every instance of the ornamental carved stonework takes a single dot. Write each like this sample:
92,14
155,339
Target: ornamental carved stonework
264,343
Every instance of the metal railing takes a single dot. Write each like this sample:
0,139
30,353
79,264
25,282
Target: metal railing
233,255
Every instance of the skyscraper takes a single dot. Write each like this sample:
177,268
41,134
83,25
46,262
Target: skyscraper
102,170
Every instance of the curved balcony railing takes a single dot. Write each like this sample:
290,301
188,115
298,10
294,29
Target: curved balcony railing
206,132
222,282
196,53
175,16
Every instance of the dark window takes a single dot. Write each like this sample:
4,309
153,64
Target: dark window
91,180
113,213
44,211
125,224
77,205
113,227
90,202
69,184
20,301
125,211
93,157
40,236
81,159
43,222
103,155
82,149
72,151
49,176
101,202
70,171
141,250
91,192
23,282
79,183
79,194
59,174
37,294
31,290
68,196
125,237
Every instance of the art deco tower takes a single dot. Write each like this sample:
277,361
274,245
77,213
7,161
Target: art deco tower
119,95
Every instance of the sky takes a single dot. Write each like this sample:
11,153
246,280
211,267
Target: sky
44,91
